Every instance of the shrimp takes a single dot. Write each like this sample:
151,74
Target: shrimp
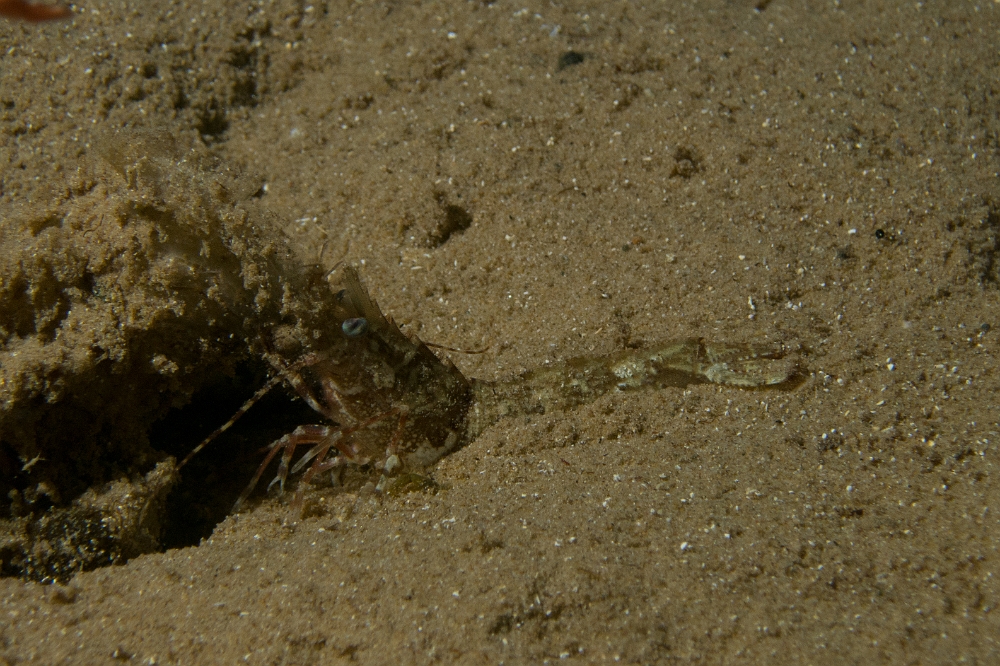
390,402
393,403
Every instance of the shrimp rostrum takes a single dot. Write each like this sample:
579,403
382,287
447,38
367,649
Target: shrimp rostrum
391,403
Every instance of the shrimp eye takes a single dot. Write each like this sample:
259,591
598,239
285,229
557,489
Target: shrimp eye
354,327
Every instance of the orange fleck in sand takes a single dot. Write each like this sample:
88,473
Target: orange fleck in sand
33,12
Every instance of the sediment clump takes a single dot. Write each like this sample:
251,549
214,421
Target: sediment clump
153,274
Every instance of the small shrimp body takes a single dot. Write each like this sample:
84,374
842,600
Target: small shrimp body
376,373
395,404
391,402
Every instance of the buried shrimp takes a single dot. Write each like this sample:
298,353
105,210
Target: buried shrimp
390,402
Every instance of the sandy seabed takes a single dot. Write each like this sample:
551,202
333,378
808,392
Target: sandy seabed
547,180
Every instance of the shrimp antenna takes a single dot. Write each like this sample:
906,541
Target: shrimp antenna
460,351
261,392
309,359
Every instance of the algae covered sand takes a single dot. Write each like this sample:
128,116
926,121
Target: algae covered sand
548,181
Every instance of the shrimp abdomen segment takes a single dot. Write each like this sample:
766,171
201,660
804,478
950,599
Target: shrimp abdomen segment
694,359
576,381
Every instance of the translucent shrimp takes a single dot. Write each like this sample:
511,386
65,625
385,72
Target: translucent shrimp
389,401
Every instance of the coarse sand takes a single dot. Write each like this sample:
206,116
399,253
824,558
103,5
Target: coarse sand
543,181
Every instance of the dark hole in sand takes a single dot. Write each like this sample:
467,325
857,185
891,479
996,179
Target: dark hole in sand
210,483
